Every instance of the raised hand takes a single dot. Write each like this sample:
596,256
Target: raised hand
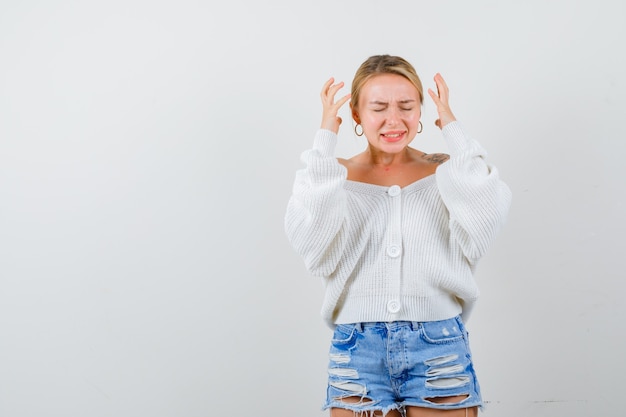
330,119
441,101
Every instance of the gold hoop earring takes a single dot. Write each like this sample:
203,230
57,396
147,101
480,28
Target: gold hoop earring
420,128
356,132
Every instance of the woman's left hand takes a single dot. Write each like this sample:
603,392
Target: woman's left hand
441,101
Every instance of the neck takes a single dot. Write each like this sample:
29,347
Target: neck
385,159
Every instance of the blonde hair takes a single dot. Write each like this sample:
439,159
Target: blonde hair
384,64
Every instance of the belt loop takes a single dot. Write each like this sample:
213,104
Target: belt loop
415,325
359,327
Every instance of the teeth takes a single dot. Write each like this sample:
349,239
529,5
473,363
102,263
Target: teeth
393,136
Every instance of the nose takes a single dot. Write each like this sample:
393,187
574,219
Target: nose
393,116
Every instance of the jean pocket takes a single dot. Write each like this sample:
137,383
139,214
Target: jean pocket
444,331
344,336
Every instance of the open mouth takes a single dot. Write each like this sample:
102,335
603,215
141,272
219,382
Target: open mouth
392,136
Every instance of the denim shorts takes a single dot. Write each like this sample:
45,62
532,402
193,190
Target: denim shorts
391,366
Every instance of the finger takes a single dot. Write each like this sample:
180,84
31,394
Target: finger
435,97
439,80
332,91
342,100
327,85
442,88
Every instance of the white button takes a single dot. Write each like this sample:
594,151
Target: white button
393,306
393,251
394,190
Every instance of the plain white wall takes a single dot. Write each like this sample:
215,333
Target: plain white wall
147,152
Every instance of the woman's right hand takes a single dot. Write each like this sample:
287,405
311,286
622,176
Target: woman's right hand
330,119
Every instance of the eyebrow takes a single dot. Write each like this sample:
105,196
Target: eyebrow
384,103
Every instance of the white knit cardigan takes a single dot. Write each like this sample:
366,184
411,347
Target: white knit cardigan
391,253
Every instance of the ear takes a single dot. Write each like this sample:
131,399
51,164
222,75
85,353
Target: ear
355,115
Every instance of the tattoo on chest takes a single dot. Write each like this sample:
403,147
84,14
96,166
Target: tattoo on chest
437,158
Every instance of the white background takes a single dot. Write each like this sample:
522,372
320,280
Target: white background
147,152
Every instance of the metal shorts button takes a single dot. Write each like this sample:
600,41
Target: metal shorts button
393,306
394,190
393,251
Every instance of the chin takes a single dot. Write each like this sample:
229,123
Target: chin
392,147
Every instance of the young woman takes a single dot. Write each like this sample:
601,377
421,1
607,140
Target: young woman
396,234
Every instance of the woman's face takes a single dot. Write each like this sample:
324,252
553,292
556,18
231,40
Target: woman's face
389,112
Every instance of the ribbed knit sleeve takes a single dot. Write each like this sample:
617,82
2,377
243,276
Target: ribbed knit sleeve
477,200
316,211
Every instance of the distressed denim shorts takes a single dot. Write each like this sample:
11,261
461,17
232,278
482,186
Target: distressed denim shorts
391,366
